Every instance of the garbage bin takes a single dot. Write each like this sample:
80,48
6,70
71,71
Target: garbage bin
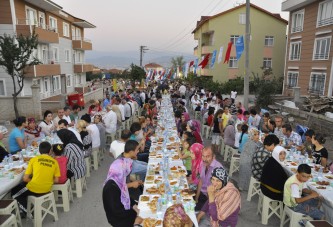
76,99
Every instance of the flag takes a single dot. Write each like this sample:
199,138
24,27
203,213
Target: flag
239,47
213,59
186,69
227,54
204,62
219,59
195,66
115,85
191,64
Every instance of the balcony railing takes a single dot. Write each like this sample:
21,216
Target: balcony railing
81,43
320,56
297,29
326,21
44,95
294,57
37,25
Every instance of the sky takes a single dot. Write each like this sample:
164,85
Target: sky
161,25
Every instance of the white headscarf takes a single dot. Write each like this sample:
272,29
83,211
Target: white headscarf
276,153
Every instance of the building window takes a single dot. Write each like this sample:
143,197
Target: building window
56,83
69,81
325,13
317,83
242,18
267,63
295,51
67,56
78,79
292,79
31,15
55,55
322,48
233,39
233,62
297,21
269,40
53,24
2,87
46,84
66,29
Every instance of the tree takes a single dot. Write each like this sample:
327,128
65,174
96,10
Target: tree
137,73
15,56
177,62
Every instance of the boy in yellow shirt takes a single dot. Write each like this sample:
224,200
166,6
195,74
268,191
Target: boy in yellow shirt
42,172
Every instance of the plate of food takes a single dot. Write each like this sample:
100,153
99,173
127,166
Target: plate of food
187,193
321,187
144,198
175,157
150,178
323,183
329,177
152,222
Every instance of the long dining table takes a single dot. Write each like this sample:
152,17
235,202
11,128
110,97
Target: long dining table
165,182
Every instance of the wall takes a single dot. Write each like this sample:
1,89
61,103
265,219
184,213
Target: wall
24,105
96,94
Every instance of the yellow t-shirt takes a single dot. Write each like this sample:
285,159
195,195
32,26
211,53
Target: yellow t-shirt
43,169
225,118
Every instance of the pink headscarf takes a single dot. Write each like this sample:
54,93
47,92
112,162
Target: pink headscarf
196,148
187,116
118,172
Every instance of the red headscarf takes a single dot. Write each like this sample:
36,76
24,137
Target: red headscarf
196,148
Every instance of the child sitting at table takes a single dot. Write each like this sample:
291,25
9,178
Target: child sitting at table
58,150
293,189
185,155
42,172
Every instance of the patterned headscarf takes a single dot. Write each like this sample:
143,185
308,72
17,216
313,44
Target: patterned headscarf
33,131
252,131
196,149
118,172
175,216
221,174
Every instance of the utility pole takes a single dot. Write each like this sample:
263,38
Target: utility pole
142,51
247,49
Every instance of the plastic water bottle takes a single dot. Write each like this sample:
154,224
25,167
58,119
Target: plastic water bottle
159,208
320,173
21,159
169,199
178,198
306,158
10,161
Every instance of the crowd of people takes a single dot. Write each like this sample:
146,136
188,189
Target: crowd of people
261,140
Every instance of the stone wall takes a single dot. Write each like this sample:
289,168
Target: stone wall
51,105
24,105
93,95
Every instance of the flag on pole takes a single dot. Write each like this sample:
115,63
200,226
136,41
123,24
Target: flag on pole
219,59
204,62
213,59
195,65
191,64
227,54
186,69
239,47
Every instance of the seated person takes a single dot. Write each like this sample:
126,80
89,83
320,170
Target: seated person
224,200
42,172
58,151
294,188
120,209
32,132
3,150
185,155
273,175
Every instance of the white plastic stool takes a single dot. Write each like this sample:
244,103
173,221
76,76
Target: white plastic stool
100,155
41,206
267,207
222,147
109,138
128,124
254,188
226,152
206,131
234,164
8,220
88,165
292,216
66,194
78,186
95,159
197,115
8,206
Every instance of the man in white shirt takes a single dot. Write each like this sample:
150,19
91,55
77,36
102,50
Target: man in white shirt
182,90
63,124
195,101
233,96
93,131
143,97
117,146
127,108
58,117
110,120
121,107
67,112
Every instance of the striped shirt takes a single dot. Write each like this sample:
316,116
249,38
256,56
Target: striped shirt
76,163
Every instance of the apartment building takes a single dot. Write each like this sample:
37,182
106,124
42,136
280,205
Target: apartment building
267,46
61,48
309,52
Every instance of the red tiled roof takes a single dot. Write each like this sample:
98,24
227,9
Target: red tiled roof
153,65
115,71
204,19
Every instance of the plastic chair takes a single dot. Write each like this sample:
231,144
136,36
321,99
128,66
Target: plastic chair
234,164
41,206
8,220
95,159
88,165
254,188
292,216
10,206
78,186
267,207
223,147
66,194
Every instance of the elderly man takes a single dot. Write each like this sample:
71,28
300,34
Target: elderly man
110,120
59,116
291,138
278,122
67,113
209,163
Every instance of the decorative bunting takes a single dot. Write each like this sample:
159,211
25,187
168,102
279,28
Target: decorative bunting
219,59
227,54
204,62
239,47
213,59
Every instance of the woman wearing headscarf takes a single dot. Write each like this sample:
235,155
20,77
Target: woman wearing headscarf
185,117
120,209
73,150
193,126
250,147
223,202
196,154
175,216
32,132
273,175
229,133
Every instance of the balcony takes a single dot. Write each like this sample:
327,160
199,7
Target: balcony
42,70
83,68
291,5
81,44
45,33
